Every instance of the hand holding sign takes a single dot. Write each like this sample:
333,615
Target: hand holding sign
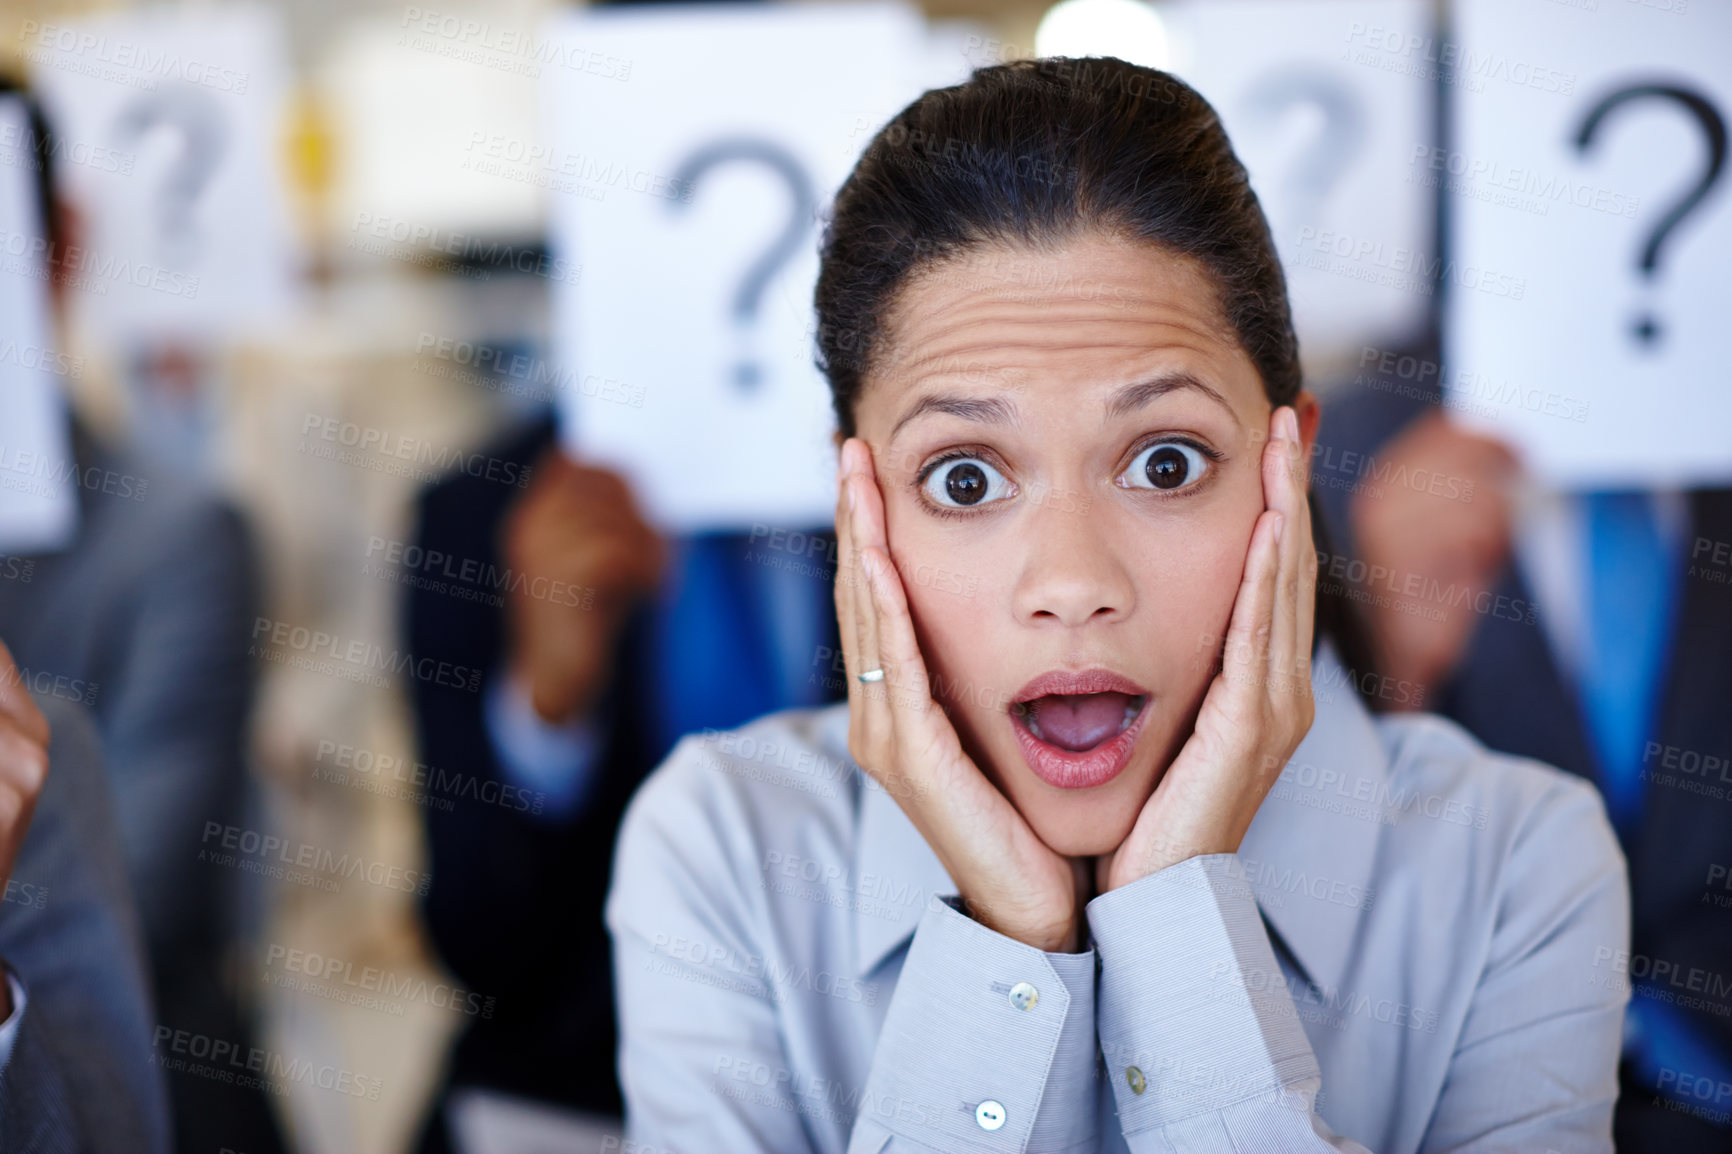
23,772
583,554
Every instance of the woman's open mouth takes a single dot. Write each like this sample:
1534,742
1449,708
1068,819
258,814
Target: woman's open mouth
1077,729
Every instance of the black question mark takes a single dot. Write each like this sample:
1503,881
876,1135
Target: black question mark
751,150
1647,329
192,113
1336,147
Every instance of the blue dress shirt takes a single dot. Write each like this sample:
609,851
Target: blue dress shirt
1421,945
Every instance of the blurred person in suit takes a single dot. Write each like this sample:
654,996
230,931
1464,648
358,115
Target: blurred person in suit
146,618
76,1069
604,643
610,643
1587,630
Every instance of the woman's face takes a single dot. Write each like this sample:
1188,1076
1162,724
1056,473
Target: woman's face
1068,443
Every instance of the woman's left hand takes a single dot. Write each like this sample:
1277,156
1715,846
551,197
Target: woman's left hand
1259,706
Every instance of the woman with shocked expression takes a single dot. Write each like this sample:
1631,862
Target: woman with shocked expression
1105,850
1101,460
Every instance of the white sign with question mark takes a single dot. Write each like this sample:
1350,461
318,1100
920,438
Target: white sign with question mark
687,186
1328,124
38,500
1591,166
172,120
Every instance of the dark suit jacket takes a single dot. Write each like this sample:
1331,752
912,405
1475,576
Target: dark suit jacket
1511,695
81,1077
515,906
146,620
1509,692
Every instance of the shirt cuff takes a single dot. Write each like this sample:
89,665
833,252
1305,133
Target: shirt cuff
1194,1010
556,762
981,1033
9,1028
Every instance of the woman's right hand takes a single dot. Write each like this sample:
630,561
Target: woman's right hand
1009,879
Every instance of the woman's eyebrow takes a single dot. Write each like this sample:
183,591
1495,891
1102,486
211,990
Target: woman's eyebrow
988,410
1133,397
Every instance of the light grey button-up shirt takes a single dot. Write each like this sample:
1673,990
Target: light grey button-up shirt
1413,950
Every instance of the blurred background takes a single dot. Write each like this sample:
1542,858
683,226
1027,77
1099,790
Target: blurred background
310,257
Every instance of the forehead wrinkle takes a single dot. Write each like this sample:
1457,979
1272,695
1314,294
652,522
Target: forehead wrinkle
1046,277
971,325
997,351
1085,325
1010,306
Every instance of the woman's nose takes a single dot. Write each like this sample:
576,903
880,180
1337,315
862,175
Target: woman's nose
1072,573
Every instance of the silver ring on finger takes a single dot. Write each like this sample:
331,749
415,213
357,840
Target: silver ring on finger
869,676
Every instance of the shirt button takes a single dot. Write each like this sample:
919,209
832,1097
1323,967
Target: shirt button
989,1114
1023,996
1134,1076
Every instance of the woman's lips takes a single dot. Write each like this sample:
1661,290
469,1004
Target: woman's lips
1077,729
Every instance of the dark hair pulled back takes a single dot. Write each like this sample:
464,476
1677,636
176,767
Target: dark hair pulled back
1033,152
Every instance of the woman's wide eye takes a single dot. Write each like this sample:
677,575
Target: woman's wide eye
965,481
1166,465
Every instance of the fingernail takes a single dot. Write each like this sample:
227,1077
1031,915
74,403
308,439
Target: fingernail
848,488
1289,424
1280,524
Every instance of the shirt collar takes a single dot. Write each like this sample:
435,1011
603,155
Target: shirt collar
893,863
1311,850
1300,845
